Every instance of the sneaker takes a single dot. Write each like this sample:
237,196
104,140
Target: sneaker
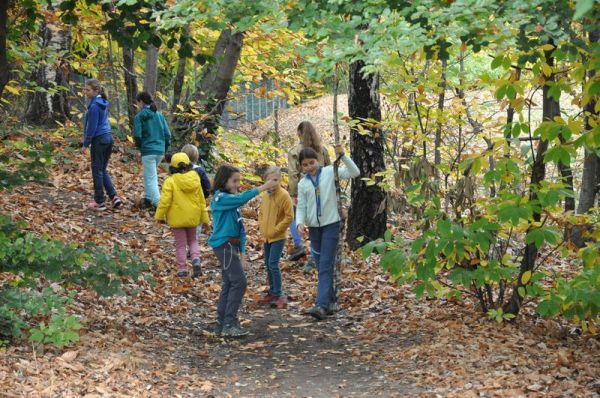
297,254
116,202
309,266
279,302
234,331
182,273
196,267
267,299
96,206
318,313
217,328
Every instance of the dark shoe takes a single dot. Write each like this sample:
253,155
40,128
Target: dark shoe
183,273
332,309
309,266
318,313
279,302
196,267
267,299
297,254
218,328
234,331
116,202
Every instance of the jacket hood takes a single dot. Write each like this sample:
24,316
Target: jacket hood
101,102
187,182
146,113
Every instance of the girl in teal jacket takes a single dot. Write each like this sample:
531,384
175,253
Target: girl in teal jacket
228,242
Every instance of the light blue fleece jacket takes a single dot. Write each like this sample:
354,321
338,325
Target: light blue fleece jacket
306,210
227,218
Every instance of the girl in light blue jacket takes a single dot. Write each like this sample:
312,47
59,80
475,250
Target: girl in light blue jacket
318,210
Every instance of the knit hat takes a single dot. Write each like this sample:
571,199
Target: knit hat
178,158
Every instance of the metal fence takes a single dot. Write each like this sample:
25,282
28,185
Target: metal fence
247,107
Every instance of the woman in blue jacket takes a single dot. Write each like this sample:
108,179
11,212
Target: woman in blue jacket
98,136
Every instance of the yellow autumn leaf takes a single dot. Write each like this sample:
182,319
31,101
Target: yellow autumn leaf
130,139
546,69
525,277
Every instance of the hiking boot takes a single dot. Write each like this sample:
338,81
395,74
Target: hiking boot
309,266
96,206
183,273
279,303
267,299
234,331
297,254
318,313
332,309
116,202
196,267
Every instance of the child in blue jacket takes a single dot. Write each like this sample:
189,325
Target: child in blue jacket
98,136
228,242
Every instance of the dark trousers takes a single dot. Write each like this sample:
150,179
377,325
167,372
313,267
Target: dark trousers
233,285
100,150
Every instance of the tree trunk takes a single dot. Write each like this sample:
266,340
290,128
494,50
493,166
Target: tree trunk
590,180
550,109
151,73
367,215
438,130
211,95
51,104
178,85
4,66
130,83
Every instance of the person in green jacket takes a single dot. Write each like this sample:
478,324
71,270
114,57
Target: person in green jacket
152,137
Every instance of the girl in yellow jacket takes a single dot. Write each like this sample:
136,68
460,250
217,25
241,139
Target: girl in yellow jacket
183,205
276,215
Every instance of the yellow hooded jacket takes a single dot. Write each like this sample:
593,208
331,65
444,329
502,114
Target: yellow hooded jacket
276,214
182,201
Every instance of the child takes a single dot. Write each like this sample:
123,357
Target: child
192,153
308,138
228,242
152,137
182,203
276,215
97,134
317,209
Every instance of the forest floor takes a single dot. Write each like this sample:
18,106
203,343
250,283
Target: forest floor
383,342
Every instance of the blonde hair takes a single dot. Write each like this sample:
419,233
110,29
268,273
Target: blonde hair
310,138
97,87
272,170
192,152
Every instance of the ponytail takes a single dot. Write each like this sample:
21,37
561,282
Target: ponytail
96,86
146,98
310,138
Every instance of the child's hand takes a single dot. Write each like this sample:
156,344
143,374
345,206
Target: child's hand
339,150
302,229
269,184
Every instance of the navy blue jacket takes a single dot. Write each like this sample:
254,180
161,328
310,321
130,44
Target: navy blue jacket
203,180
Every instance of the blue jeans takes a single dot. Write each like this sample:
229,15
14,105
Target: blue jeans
150,164
323,246
233,284
272,256
100,151
295,234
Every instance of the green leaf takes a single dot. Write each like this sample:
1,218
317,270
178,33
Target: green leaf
582,8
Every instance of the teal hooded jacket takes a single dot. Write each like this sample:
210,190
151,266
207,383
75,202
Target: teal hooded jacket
227,219
151,132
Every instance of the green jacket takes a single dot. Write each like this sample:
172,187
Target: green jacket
151,133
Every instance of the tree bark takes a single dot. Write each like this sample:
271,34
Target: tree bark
130,83
590,180
211,95
4,65
178,85
367,215
51,105
151,72
550,109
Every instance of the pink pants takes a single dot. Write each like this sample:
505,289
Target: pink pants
185,237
